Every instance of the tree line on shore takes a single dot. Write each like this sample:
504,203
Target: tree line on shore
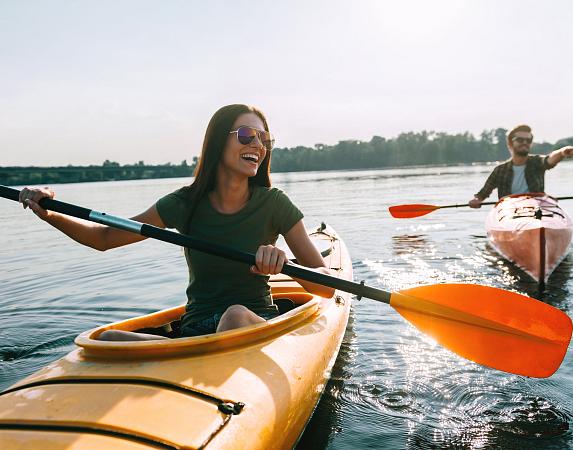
407,149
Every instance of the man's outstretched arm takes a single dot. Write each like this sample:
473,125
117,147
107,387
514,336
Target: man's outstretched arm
556,156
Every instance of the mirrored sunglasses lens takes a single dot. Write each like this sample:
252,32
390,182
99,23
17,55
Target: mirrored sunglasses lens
246,135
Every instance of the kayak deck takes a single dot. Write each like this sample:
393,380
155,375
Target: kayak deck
532,231
253,387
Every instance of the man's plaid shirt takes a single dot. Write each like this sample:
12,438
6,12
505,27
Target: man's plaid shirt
502,176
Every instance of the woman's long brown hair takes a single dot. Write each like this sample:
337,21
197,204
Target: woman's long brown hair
213,145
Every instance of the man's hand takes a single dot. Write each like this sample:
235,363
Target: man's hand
475,203
567,151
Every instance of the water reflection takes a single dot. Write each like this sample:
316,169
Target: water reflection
327,420
421,174
408,244
554,292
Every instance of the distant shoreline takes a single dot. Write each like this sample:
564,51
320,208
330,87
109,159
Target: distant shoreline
422,149
12,176
35,175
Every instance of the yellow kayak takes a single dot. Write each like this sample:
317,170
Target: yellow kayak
251,388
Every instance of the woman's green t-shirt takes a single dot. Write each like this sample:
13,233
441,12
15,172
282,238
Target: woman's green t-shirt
215,283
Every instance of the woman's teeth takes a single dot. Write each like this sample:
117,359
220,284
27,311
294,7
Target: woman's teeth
250,157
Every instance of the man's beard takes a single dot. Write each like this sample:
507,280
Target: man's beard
523,152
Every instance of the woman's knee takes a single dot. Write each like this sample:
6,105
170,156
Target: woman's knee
236,316
237,312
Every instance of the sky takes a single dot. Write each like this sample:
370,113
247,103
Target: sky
138,80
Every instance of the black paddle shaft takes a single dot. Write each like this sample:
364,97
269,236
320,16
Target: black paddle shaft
183,240
492,203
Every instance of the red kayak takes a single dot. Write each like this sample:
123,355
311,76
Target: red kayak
532,231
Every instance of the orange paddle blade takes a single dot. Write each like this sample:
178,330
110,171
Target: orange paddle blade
490,326
409,211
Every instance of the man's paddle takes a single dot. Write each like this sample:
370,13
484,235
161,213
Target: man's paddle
418,210
491,326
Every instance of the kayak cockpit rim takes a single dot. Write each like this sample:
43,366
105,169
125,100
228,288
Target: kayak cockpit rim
298,316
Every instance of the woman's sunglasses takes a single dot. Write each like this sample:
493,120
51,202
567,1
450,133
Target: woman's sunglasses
246,135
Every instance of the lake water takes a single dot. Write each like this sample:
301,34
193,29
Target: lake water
392,387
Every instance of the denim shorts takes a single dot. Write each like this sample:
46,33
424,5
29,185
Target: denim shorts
209,324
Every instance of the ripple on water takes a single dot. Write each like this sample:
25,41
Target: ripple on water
530,417
446,402
475,413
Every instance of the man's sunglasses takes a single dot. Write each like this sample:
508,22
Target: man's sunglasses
521,140
246,135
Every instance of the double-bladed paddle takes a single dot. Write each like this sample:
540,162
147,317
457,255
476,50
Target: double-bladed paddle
490,326
419,209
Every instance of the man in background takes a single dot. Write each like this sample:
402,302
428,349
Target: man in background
522,172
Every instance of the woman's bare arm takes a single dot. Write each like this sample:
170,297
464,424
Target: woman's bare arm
99,237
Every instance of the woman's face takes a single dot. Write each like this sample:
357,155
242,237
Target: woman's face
244,159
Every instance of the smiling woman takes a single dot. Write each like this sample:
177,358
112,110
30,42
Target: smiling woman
230,202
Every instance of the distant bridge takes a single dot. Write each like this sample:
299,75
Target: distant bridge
80,174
